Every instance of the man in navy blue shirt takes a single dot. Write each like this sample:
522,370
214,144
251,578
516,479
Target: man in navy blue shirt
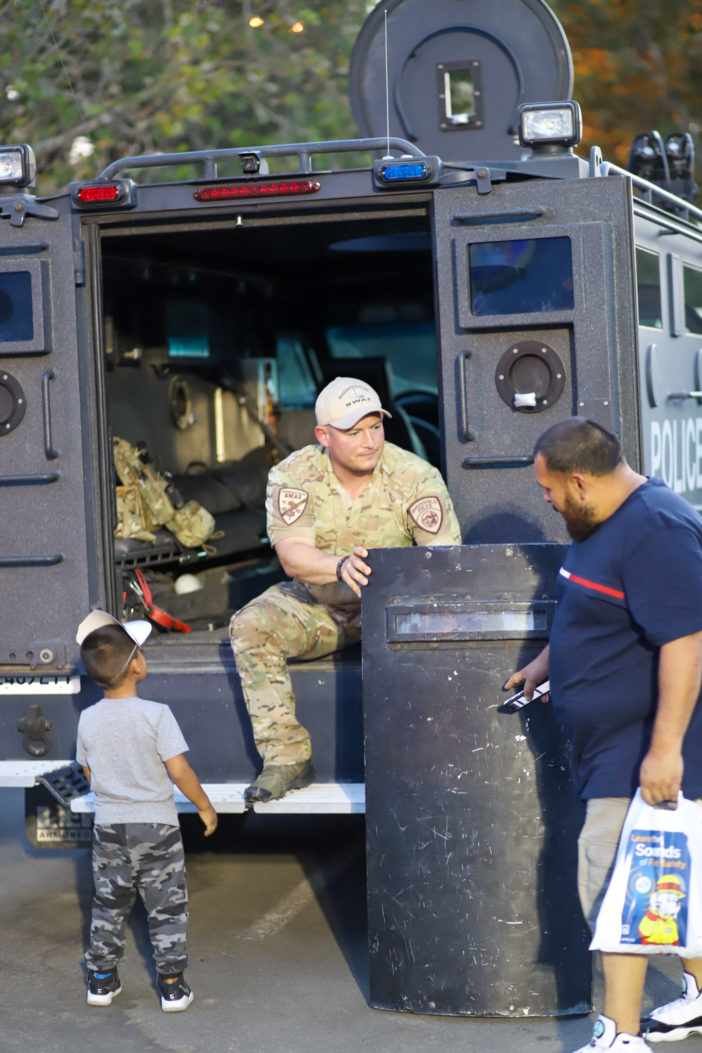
625,667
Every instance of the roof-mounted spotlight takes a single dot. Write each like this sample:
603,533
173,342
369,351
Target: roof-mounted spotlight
18,166
680,151
550,127
646,157
669,164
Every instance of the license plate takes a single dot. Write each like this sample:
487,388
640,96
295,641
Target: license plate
39,685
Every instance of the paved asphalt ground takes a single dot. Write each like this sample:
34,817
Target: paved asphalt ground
278,955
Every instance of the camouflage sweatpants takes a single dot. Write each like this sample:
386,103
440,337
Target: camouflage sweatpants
147,858
284,622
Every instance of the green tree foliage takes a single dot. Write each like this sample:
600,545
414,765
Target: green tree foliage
156,76
123,77
638,67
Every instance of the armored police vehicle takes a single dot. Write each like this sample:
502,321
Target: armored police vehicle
459,256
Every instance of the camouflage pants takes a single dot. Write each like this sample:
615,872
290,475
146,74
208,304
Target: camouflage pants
284,622
138,857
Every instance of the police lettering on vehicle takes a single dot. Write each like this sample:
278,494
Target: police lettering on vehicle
676,453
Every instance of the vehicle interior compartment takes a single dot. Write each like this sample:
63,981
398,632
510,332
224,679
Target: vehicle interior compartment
218,338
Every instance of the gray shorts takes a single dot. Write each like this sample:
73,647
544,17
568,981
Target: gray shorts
597,848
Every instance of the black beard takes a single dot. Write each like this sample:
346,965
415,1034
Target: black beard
580,531
580,522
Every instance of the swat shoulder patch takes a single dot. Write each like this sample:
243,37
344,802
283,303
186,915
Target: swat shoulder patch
291,504
427,513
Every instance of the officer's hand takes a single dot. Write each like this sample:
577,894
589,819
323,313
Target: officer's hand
354,571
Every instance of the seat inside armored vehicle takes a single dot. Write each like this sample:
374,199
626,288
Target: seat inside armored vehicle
217,342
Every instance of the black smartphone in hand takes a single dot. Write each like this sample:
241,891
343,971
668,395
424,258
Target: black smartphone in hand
518,701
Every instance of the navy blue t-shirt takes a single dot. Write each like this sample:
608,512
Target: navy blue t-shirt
633,585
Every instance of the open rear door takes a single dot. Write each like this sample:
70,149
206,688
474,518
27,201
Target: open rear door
48,541
536,320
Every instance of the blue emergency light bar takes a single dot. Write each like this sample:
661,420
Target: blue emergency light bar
424,170
404,171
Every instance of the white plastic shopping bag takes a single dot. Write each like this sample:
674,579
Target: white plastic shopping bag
653,904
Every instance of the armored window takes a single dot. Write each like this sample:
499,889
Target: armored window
24,307
692,279
648,283
16,306
460,95
521,277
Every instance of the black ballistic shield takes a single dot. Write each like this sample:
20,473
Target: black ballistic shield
472,821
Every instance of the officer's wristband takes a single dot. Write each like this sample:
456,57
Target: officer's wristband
339,566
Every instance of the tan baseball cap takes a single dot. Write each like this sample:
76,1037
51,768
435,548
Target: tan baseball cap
345,401
138,630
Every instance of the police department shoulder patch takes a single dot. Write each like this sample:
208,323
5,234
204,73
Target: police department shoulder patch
291,504
428,514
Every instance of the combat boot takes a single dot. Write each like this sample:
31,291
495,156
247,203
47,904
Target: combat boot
275,780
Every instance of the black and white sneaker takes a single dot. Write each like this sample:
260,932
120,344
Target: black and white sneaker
605,1037
678,1019
175,996
103,987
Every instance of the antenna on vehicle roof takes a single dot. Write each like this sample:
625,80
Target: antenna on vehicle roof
387,91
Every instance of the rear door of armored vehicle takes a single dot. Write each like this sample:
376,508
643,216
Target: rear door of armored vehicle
536,322
52,479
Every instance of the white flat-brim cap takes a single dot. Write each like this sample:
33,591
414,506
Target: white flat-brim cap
345,401
138,630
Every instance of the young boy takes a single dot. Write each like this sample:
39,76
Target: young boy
128,747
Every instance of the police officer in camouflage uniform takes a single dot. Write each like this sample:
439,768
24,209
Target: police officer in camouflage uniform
128,747
326,506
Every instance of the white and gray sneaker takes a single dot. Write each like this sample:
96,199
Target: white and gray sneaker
678,1019
605,1037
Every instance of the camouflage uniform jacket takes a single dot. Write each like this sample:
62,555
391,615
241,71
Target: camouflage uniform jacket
405,502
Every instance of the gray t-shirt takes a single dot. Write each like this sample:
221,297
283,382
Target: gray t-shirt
125,742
